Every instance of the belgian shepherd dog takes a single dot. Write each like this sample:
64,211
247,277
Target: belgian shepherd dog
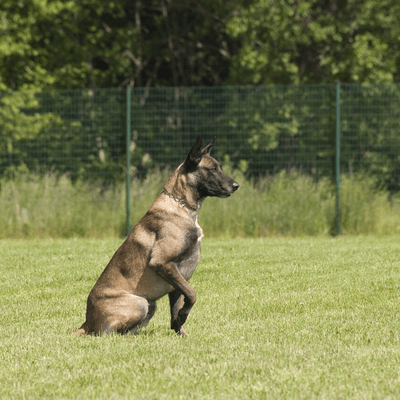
161,252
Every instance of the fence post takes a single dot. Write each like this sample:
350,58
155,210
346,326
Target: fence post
128,154
337,161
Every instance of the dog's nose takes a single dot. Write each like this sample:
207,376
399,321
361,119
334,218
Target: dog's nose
235,186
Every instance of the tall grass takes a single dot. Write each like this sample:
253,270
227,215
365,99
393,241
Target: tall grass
285,204
365,209
33,206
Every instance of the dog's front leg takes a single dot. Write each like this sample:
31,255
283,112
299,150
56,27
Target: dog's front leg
176,304
170,273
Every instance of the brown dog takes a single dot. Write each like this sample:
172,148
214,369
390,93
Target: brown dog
160,254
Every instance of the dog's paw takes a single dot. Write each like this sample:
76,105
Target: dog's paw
182,332
178,328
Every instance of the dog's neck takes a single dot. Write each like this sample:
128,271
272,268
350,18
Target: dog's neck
180,201
178,188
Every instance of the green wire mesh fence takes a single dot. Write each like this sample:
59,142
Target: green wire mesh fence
370,132
75,132
108,135
259,129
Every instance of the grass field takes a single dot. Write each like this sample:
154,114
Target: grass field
278,318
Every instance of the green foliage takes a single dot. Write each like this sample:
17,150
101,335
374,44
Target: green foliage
87,43
74,44
275,318
21,119
26,47
313,41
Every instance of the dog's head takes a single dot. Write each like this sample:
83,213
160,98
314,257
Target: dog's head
205,172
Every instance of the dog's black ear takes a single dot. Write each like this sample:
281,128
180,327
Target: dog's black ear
208,148
195,155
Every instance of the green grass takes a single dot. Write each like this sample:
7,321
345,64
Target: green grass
279,318
281,205
49,206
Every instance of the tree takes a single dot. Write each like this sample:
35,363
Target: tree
316,41
88,43
24,49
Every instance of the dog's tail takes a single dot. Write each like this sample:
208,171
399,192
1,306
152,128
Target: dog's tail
83,330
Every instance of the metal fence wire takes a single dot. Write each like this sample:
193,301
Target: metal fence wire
91,134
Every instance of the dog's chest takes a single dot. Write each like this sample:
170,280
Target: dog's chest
199,231
189,263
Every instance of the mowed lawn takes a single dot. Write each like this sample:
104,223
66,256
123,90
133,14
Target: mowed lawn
276,318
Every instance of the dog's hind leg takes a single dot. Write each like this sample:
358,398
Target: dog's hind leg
123,313
152,307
